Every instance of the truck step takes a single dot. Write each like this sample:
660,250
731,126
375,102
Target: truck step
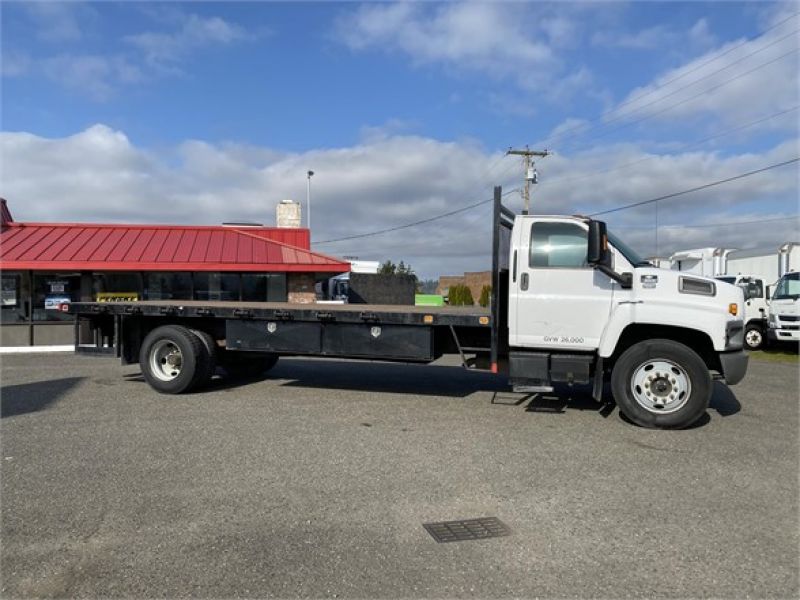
532,389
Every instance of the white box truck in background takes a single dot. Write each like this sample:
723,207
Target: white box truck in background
755,270
784,312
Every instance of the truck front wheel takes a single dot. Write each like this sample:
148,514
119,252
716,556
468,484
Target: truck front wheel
173,359
754,337
661,384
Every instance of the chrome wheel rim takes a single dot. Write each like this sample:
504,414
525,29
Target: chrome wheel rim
166,360
661,386
753,338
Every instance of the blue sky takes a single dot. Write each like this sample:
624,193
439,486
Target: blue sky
204,112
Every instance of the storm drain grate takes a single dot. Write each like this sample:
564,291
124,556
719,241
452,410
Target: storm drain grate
468,529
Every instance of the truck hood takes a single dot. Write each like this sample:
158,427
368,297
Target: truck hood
666,284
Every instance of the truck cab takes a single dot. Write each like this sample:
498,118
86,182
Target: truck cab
784,309
756,308
582,302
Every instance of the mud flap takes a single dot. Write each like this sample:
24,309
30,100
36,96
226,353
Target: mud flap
597,387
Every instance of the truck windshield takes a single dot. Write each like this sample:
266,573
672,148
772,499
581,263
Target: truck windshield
631,255
788,287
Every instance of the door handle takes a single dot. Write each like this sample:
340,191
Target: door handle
523,282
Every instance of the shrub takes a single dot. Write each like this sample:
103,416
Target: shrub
460,295
486,293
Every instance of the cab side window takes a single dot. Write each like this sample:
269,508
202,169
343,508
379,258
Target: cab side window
558,246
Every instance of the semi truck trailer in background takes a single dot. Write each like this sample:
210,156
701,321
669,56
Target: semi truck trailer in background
571,303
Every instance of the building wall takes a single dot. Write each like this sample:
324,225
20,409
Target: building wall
53,334
447,281
15,335
300,288
476,280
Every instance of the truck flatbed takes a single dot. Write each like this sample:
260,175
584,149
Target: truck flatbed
470,316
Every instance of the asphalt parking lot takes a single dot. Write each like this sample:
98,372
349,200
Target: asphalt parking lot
316,481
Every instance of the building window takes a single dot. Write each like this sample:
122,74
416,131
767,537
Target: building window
53,290
264,287
216,286
558,245
117,287
14,298
169,286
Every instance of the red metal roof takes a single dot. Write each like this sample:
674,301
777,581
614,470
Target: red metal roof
101,247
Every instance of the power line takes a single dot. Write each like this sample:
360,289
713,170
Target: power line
680,89
698,188
682,147
707,225
611,210
685,100
576,130
415,223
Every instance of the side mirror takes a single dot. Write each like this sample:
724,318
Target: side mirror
598,253
769,292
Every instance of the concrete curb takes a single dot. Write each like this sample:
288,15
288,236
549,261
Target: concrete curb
35,349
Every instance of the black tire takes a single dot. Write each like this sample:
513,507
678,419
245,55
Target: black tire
178,344
210,347
675,385
754,337
246,364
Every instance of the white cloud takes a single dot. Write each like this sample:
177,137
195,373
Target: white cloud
657,37
388,180
15,64
733,95
145,56
167,48
58,22
504,41
97,76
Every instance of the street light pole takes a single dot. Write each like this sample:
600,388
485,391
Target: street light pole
310,174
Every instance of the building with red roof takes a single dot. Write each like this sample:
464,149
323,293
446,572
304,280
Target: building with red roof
47,264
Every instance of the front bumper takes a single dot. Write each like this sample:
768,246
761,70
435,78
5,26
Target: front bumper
734,366
783,335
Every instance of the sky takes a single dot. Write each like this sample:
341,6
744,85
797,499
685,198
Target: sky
200,113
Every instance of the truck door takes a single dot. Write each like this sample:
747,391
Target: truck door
557,300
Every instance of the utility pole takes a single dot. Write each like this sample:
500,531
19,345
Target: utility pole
310,174
531,176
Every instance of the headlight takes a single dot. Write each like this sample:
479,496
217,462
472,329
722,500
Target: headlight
772,321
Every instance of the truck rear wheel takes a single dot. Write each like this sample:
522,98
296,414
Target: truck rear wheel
247,364
173,359
661,384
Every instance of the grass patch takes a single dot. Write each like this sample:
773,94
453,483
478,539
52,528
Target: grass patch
784,353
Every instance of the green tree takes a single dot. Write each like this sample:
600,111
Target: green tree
387,268
486,293
460,295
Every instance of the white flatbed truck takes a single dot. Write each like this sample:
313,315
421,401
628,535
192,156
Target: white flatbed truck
570,303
